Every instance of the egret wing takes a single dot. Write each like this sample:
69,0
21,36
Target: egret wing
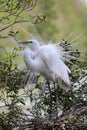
59,71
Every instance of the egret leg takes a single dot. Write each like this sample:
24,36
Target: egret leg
43,86
33,78
30,77
50,102
73,100
56,95
25,79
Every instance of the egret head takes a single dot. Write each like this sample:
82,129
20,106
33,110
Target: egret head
32,44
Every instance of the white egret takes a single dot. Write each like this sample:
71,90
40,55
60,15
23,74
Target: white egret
47,60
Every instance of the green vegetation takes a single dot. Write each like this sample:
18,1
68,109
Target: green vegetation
63,18
30,106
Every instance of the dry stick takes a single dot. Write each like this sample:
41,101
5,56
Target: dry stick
67,119
20,21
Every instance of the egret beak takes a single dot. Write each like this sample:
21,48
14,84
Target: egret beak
23,42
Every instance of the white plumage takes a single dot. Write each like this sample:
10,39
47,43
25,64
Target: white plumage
47,60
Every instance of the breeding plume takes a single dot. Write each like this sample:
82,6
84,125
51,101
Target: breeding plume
48,61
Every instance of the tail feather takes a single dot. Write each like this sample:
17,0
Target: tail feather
64,84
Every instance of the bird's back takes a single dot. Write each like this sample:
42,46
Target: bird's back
58,71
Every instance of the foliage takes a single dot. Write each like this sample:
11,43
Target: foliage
47,104
16,11
64,18
10,78
41,105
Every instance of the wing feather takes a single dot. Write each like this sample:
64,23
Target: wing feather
52,59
